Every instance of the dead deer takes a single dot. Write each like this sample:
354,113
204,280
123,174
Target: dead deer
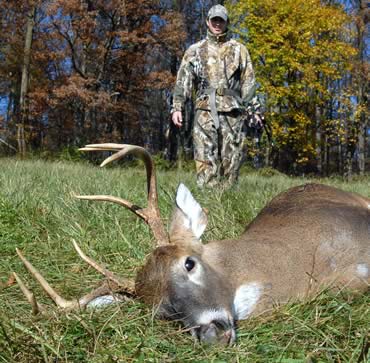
306,238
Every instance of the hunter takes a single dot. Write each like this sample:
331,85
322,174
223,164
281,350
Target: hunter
220,72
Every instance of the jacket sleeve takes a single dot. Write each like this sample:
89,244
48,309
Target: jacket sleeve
184,82
247,80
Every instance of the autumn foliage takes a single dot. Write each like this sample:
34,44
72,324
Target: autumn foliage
303,60
93,64
104,71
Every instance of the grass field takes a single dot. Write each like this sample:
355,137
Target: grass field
39,215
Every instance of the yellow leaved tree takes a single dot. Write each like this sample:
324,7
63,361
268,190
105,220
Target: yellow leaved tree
301,55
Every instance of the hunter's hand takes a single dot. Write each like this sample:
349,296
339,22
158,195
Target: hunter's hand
177,118
258,121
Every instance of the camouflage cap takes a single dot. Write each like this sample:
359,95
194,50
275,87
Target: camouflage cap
218,11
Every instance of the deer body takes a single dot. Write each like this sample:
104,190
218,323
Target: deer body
306,238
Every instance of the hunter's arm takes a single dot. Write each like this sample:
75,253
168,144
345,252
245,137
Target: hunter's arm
184,82
247,81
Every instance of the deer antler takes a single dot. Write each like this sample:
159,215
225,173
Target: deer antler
117,285
150,214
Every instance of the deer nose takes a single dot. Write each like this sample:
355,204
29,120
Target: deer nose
229,336
216,332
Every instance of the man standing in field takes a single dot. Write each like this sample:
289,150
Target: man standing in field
220,72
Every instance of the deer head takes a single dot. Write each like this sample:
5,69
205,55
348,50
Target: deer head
175,279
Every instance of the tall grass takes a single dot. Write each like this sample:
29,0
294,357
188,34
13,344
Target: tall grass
39,214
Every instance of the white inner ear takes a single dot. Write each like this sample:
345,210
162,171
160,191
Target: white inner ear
195,218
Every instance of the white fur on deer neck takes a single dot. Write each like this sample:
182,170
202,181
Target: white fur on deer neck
245,300
363,270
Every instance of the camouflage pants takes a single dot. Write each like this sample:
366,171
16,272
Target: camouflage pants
217,152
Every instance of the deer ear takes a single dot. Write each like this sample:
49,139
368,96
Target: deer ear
188,216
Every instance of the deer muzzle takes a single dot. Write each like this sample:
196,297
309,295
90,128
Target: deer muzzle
216,332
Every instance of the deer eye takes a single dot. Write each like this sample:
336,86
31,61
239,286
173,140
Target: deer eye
189,264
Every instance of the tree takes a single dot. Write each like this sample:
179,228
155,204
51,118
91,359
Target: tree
361,15
18,21
31,14
100,67
299,50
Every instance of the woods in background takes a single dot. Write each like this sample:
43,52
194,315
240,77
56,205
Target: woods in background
75,72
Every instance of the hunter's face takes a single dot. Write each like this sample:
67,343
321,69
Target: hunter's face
217,25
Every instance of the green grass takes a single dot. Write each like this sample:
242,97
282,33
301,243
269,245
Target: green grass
39,214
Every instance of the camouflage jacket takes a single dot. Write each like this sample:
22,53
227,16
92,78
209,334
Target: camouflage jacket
215,63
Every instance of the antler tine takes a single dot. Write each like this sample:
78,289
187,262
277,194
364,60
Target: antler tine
105,289
123,202
150,214
127,284
122,151
59,300
36,307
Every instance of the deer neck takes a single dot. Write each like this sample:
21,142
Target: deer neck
250,286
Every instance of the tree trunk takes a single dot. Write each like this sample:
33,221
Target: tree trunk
326,156
23,102
318,139
348,166
363,18
361,146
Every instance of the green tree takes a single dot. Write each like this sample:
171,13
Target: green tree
300,49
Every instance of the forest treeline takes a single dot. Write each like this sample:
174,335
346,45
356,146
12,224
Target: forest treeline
74,72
